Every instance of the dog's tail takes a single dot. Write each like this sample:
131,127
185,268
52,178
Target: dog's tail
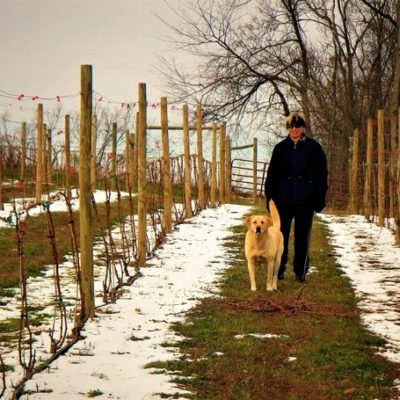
274,214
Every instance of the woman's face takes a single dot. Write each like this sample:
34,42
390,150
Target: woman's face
295,133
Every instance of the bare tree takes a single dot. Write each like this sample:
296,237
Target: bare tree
354,73
53,118
123,116
256,60
244,69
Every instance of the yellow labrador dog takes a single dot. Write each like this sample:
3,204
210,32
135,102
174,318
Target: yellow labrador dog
264,243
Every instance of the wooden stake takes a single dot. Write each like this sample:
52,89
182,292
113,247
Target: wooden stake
142,135
127,161
353,206
200,168
186,158
228,171
368,170
135,164
114,156
44,155
255,160
68,171
39,153
221,181
166,167
213,182
85,194
381,168
49,157
23,152
132,161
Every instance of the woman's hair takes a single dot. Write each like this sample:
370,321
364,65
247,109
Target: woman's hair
295,120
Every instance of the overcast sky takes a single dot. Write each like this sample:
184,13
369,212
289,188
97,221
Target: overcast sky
44,43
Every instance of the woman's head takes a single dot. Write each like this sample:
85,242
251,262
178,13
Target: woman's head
296,125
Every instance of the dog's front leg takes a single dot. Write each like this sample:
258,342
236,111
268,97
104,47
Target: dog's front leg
272,279
251,268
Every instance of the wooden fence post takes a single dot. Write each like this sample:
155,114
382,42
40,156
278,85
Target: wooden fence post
85,194
114,156
23,152
221,175
132,160
213,180
39,153
353,206
49,157
381,168
67,150
135,164
255,161
368,170
186,157
127,161
228,171
200,166
166,167
93,154
44,154
142,130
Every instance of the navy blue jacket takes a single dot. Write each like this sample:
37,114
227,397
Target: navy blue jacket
297,174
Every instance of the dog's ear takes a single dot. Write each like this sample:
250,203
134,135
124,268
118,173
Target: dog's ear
246,220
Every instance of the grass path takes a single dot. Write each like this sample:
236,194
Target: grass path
304,342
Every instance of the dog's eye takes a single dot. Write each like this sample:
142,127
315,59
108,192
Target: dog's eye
262,222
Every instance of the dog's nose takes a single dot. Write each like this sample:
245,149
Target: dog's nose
258,229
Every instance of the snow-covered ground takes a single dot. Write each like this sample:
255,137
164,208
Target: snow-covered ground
37,285
119,342
129,334
56,203
370,258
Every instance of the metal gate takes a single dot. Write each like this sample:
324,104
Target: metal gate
242,181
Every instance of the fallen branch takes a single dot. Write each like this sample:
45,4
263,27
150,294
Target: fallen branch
266,306
288,307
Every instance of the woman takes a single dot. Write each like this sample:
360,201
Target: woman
297,182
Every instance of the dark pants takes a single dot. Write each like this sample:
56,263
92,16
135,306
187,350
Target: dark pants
303,218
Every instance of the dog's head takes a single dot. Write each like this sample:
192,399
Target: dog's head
258,224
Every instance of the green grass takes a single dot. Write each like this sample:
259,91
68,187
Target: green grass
334,357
